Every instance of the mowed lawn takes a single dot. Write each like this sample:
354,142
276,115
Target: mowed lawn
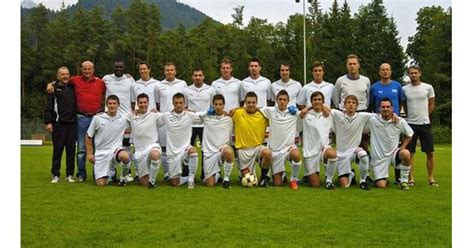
83,215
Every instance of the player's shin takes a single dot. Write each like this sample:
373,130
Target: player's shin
404,172
125,169
364,168
154,168
295,170
193,164
227,170
330,169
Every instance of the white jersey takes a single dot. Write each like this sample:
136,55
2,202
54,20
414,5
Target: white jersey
358,87
199,99
107,131
217,132
122,87
282,127
417,102
292,87
261,86
178,130
385,136
348,130
230,89
144,129
150,88
304,98
166,91
316,130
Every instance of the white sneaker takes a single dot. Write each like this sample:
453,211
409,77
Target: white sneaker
190,184
69,179
129,178
55,179
80,179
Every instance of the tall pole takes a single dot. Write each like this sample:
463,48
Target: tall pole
304,42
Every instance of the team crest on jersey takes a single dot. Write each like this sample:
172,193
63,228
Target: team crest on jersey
394,90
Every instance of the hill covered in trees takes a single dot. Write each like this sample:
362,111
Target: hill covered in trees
173,13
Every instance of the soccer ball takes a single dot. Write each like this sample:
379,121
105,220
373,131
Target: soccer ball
249,180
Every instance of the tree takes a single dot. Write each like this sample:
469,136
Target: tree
238,16
377,41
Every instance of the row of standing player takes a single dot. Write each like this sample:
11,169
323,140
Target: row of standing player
233,89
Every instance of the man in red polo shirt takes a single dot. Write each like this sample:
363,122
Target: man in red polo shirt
90,91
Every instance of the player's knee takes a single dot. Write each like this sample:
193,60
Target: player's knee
331,153
123,156
192,150
154,155
381,183
266,154
211,181
295,155
404,155
277,179
228,154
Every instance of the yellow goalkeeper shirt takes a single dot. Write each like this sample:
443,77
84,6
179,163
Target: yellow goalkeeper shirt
249,128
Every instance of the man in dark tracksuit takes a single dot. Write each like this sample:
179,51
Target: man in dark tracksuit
61,121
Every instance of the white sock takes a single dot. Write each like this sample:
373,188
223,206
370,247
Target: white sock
295,170
404,172
183,180
331,169
154,168
217,176
227,170
164,162
125,169
193,164
363,168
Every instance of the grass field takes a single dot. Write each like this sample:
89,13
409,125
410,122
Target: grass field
83,215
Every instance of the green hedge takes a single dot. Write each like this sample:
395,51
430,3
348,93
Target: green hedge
442,135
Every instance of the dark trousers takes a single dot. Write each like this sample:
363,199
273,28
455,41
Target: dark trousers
64,136
197,132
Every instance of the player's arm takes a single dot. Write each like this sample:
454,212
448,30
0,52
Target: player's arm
50,87
48,114
406,140
431,105
372,101
90,152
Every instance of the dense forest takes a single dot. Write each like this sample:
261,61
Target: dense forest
135,30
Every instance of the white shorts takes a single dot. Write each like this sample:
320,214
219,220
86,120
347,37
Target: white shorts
212,162
279,159
142,158
381,166
311,164
175,162
105,160
248,156
344,162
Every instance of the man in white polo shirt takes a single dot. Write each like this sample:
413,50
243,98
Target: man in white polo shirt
216,143
166,90
256,83
198,99
228,86
291,86
318,84
384,139
106,132
145,135
283,128
178,124
419,106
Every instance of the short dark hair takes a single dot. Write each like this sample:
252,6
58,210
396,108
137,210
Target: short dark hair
315,94
226,61
113,97
169,64
352,56
195,69
178,95
351,97
143,95
283,93
255,59
218,97
144,63
286,64
250,94
317,64
386,99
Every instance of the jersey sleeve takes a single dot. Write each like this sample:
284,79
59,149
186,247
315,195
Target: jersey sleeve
406,129
336,95
431,92
301,99
93,127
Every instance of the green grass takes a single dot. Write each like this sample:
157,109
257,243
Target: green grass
83,215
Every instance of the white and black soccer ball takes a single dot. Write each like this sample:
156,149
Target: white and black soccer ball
249,180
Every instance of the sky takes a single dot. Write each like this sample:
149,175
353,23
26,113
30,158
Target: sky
403,11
